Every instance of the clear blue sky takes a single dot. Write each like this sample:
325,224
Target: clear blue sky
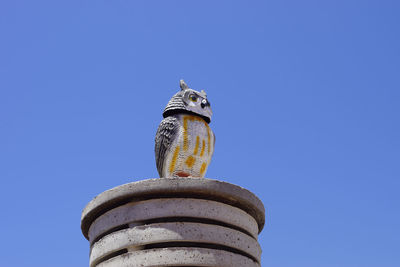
305,95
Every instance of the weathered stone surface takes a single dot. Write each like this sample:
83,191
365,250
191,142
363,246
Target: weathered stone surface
179,257
174,222
142,211
174,187
194,233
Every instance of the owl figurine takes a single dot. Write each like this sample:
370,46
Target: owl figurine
184,141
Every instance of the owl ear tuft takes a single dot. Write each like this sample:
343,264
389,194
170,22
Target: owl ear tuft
183,85
203,92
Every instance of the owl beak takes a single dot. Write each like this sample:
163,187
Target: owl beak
204,103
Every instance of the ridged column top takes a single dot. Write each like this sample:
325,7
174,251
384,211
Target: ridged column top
201,188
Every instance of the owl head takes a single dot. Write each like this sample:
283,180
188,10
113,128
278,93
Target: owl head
189,101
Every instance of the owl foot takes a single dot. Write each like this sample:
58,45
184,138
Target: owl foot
182,174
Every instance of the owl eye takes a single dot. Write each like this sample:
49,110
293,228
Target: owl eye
193,98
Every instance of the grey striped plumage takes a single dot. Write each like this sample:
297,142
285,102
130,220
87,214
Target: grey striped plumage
166,132
175,104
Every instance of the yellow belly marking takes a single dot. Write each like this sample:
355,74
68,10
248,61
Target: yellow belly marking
203,168
185,134
187,118
202,148
208,138
173,161
196,148
190,161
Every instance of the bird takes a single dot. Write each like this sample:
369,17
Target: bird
184,142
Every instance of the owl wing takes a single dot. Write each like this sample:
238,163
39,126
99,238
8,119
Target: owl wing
166,134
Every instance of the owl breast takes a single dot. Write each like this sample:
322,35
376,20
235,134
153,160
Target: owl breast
191,150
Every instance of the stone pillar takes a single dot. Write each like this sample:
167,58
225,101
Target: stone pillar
174,222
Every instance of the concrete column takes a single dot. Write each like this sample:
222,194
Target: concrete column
174,222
